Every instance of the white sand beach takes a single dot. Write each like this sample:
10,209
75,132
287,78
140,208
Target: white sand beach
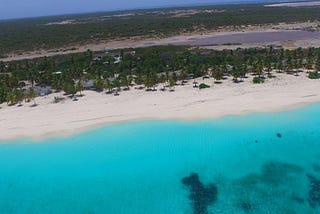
185,103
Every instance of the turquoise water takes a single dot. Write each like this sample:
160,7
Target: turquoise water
257,163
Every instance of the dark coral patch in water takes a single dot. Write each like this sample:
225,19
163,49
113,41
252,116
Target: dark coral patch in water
297,199
200,195
316,167
277,173
279,135
314,192
245,206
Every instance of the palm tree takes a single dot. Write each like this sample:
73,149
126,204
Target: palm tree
317,63
183,77
14,96
117,85
280,66
2,66
3,93
154,80
243,71
108,86
20,96
172,83
147,82
79,87
32,95
309,62
258,69
163,80
130,80
99,84
235,73
10,98
125,82
139,79
32,76
217,74
174,77
205,71
69,88
268,67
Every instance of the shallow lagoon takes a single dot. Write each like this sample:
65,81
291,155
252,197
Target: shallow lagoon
250,38
257,163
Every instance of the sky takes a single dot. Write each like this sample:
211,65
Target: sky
10,9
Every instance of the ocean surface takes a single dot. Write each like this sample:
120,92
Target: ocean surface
256,163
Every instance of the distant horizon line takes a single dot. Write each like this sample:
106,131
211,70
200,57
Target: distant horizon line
235,2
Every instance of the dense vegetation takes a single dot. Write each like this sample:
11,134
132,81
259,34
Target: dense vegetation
151,67
33,34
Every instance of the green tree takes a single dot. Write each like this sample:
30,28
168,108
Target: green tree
69,88
183,77
235,73
172,83
79,88
32,95
217,74
99,84
317,64
108,86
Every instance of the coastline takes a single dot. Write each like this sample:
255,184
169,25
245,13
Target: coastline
94,110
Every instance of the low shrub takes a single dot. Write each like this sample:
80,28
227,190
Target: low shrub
258,80
270,76
314,75
203,85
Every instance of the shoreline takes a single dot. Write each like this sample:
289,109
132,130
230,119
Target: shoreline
95,110
66,134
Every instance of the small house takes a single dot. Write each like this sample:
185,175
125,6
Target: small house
43,91
117,60
97,58
190,76
88,85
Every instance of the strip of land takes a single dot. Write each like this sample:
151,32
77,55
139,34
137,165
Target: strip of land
185,103
296,4
288,36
